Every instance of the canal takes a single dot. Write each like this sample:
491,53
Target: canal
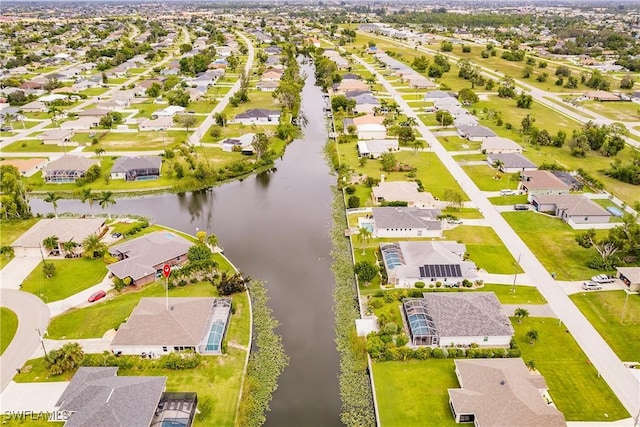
274,227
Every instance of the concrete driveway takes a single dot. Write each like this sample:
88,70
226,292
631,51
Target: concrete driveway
80,299
37,397
14,273
33,315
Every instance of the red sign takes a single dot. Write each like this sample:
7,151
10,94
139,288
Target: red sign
166,270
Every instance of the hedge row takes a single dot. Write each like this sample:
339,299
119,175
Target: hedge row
355,387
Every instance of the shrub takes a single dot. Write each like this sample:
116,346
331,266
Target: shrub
350,189
438,353
420,285
375,303
390,328
205,406
177,361
438,284
353,202
401,340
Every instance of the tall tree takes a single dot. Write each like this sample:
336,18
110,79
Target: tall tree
364,234
87,196
53,198
93,247
260,144
68,247
50,243
521,313
105,199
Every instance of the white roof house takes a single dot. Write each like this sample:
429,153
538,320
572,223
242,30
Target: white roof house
498,144
374,148
402,191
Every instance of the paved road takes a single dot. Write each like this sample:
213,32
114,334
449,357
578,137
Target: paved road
623,384
32,314
201,130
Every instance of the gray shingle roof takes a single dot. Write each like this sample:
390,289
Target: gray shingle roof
476,131
502,392
126,164
145,252
99,398
511,160
403,217
257,113
463,314
151,324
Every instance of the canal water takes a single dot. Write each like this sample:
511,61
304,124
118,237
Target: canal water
274,227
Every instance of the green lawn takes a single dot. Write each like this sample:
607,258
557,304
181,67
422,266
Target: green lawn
619,111
568,372
34,146
489,179
456,143
94,91
145,109
10,230
522,294
552,241
71,277
604,311
257,99
414,393
8,327
160,140
509,200
485,248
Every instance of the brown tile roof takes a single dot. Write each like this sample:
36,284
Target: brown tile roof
368,119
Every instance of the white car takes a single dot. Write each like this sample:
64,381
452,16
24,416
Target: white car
591,286
603,278
507,192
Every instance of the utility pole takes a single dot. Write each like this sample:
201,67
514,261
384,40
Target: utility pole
515,276
42,342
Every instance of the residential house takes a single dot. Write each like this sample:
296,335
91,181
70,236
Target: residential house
67,168
437,94
574,183
26,167
432,261
160,123
29,244
510,162
241,143
142,259
271,75
365,103
369,127
405,222
267,86
57,137
502,392
630,276
420,82
34,107
374,148
96,396
82,123
542,182
258,116
572,208
475,133
158,326
498,144
140,168
602,96
97,113
402,191
348,85
169,111
445,319
273,50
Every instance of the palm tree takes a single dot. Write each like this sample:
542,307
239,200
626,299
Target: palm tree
498,164
533,336
521,313
99,152
105,199
50,243
53,198
212,240
86,195
92,246
364,234
68,247
64,359
410,121
417,145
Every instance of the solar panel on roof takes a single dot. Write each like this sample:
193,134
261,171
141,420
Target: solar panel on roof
440,270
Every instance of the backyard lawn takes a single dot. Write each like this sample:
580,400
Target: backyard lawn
8,327
573,382
509,200
414,392
552,241
71,277
34,146
12,229
456,143
604,311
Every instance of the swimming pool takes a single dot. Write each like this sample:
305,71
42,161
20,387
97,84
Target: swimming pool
216,333
613,210
365,224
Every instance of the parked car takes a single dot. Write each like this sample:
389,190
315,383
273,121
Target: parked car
116,235
603,278
520,207
591,286
6,128
97,295
454,221
507,192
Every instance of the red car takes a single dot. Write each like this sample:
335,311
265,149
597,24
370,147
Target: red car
97,295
